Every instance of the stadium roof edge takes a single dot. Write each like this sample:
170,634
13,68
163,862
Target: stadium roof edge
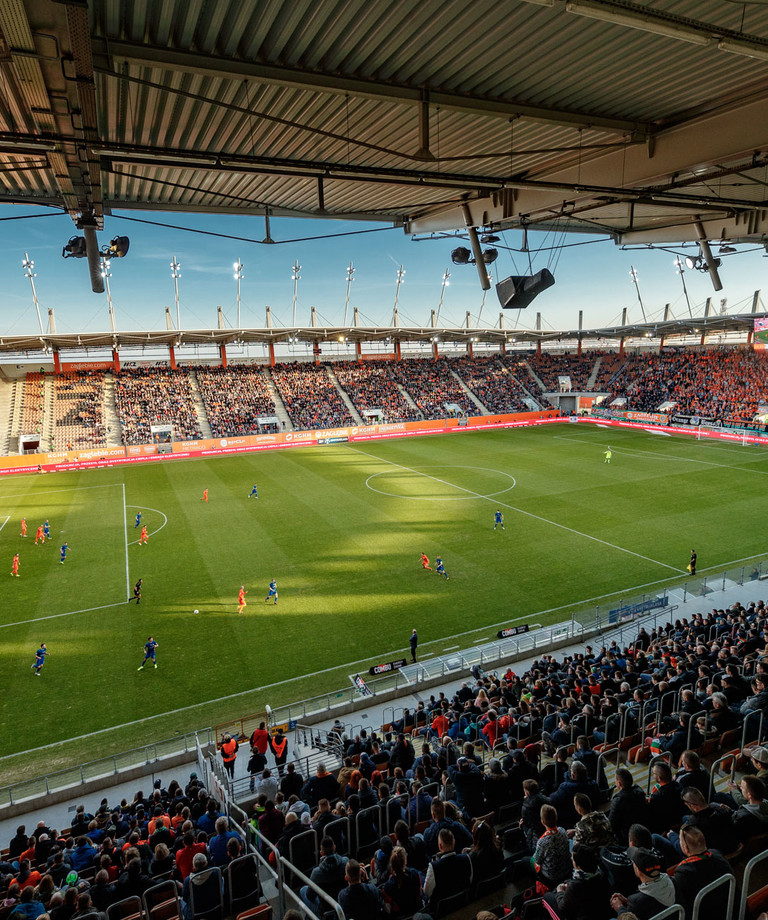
39,344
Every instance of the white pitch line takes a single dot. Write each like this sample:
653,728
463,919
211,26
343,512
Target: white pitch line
5,521
537,517
125,540
30,495
450,648
55,616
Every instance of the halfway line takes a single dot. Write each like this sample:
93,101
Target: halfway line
55,616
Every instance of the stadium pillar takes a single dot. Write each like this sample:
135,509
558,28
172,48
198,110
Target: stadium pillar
661,344
538,348
316,350
172,357
435,352
271,354
503,348
115,360
398,355
470,350
56,361
358,348
223,353
621,348
578,350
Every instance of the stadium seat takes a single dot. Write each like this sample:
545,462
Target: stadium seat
262,912
161,902
127,909
243,886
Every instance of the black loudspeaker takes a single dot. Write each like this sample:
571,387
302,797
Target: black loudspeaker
518,291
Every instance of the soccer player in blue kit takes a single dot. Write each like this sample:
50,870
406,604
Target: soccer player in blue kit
439,568
63,551
498,518
272,591
47,530
254,493
40,659
138,520
149,653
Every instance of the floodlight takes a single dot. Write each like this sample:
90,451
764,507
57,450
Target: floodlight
118,247
725,249
75,248
489,238
692,261
461,256
490,255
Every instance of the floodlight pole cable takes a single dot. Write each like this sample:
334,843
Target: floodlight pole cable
477,250
176,274
29,272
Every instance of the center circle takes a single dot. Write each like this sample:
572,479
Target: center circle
470,496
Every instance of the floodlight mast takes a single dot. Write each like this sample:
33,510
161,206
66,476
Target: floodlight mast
681,272
238,267
633,276
350,279
176,274
29,272
400,275
106,274
296,278
446,276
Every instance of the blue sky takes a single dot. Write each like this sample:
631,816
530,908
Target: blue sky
593,277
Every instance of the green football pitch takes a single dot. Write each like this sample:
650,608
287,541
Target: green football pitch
341,529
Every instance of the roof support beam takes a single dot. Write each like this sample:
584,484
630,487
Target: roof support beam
108,57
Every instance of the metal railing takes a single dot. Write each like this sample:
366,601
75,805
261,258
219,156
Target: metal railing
105,767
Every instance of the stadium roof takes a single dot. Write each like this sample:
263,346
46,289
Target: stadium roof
610,116
669,329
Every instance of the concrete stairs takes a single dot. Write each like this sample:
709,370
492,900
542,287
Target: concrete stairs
111,419
535,376
7,391
47,422
345,399
202,415
280,411
533,404
470,395
409,399
595,372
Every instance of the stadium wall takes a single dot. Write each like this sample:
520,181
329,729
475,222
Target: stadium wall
113,456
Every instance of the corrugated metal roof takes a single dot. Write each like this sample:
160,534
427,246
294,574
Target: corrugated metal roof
394,109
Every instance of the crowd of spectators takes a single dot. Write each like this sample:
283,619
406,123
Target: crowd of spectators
149,396
234,398
78,410
424,801
372,386
310,396
728,383
432,386
117,852
548,367
493,382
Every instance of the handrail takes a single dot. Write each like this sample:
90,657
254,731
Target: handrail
707,889
745,882
675,910
290,869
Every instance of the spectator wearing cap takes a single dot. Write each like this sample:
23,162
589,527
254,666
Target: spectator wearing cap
586,895
656,890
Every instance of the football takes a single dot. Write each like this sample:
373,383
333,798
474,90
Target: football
197,611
